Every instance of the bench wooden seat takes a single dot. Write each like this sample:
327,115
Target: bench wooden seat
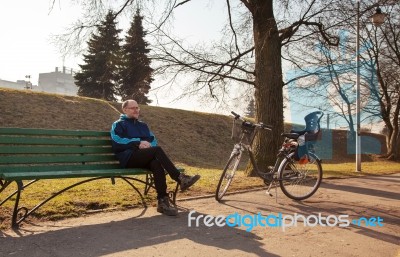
29,155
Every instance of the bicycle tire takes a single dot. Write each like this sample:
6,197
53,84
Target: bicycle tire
227,176
300,181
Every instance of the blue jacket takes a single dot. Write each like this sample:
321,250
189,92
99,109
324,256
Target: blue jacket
126,134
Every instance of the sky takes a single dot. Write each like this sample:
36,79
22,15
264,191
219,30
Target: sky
26,28
26,46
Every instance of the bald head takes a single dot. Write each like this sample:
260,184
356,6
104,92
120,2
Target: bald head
131,109
128,102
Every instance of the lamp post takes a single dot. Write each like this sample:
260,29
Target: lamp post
377,19
28,84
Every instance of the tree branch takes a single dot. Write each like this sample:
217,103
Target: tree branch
291,30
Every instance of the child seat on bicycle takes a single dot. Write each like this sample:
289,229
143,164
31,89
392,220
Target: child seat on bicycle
308,134
312,128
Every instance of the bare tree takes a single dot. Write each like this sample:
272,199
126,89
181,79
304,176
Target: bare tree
250,55
380,69
386,53
248,59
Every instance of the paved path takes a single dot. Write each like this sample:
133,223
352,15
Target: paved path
143,232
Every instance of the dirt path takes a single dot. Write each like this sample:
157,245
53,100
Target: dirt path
143,232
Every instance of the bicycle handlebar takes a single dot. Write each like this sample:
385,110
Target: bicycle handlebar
258,125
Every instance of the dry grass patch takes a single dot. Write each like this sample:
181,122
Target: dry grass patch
368,168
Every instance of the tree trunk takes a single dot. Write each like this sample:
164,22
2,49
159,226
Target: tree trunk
268,84
392,138
398,147
393,145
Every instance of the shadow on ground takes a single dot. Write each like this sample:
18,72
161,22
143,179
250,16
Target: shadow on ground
368,198
129,234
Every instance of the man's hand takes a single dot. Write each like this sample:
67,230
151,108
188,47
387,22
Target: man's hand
144,144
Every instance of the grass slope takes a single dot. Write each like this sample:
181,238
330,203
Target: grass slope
192,138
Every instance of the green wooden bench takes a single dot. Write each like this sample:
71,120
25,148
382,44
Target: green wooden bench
29,155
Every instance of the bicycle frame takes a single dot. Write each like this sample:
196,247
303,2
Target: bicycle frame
239,148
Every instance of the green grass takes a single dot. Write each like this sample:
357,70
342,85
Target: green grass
367,168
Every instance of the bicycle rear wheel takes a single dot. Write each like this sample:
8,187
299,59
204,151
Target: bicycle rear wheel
300,181
227,176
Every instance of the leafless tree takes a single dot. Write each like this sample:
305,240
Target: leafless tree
250,56
386,53
380,68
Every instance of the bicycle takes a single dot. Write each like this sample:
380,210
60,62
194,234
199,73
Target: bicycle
298,178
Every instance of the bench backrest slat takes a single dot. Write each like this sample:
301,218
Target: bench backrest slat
55,159
52,132
44,168
53,141
52,150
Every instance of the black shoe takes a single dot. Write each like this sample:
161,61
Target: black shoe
164,207
187,181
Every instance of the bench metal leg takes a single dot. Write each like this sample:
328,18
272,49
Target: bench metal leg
126,179
21,213
3,184
27,212
149,183
172,194
14,222
16,191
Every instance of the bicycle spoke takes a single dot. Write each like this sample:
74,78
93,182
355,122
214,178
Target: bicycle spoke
300,181
227,176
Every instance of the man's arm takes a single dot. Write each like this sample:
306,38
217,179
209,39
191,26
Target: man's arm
154,142
119,140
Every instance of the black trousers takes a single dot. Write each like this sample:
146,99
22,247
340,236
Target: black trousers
155,159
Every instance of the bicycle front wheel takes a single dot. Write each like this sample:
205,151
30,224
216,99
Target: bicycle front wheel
300,181
227,176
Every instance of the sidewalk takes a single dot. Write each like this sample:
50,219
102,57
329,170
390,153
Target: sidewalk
144,232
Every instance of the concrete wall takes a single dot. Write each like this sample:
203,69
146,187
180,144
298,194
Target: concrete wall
20,84
61,81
